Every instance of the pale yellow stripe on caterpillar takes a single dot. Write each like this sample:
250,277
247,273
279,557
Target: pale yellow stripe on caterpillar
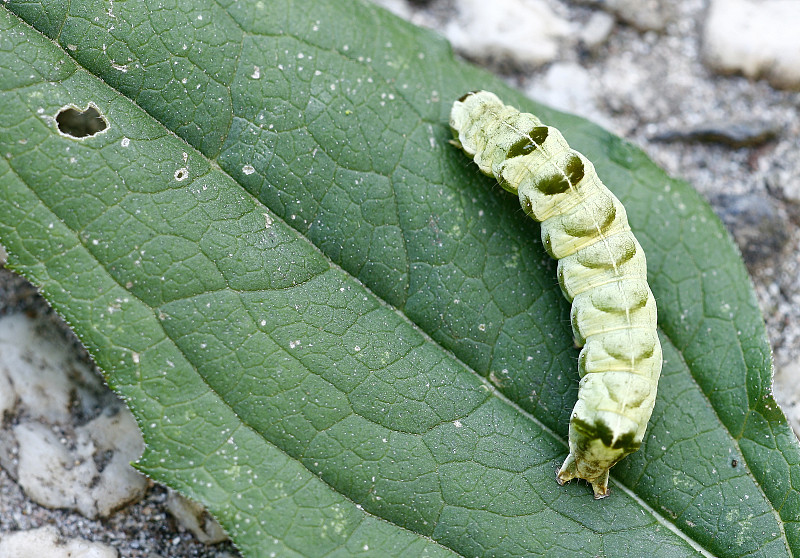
602,271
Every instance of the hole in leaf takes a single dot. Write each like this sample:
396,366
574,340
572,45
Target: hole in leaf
74,123
181,174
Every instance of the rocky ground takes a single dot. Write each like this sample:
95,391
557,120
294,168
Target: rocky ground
709,93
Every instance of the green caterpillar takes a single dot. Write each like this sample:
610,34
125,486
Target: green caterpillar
601,269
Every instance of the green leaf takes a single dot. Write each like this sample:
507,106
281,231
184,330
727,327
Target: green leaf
333,331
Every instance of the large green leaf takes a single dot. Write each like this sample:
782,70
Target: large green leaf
378,359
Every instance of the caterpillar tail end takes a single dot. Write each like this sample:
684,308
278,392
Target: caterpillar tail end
569,471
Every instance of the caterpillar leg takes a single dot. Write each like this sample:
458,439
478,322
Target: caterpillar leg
569,471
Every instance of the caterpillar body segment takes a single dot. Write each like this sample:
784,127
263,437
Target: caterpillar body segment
602,271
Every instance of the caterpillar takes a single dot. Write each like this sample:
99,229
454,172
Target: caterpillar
602,271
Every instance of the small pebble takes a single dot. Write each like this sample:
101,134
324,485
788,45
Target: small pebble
644,15
732,134
756,223
46,542
756,39
516,32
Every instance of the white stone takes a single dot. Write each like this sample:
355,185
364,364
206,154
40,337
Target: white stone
194,518
39,382
568,87
58,463
45,542
644,15
61,473
7,394
597,30
757,39
524,32
787,391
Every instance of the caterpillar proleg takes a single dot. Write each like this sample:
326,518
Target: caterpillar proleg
601,269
